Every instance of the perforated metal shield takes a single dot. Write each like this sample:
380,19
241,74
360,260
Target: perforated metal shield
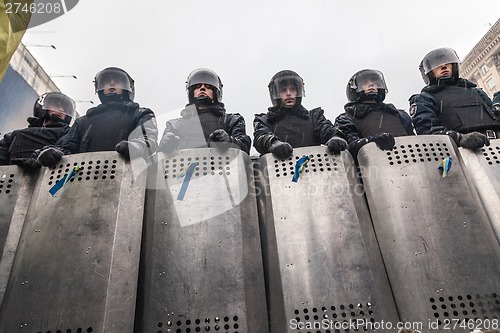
16,186
439,249
323,266
203,263
76,266
483,167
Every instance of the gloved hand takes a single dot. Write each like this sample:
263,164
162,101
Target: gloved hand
219,136
50,156
281,150
129,148
169,143
35,121
336,144
384,141
27,162
473,140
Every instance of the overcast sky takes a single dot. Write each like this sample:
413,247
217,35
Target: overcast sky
159,42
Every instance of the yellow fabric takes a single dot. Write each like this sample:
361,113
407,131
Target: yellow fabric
12,28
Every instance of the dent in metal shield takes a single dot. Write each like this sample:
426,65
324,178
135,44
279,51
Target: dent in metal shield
438,246
203,264
76,266
321,257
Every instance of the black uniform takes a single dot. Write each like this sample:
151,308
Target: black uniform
364,120
455,105
106,125
296,126
187,127
19,145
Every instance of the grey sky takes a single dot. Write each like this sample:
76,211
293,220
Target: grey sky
159,42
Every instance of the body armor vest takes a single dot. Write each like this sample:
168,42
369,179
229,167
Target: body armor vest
463,110
298,132
27,140
194,131
375,122
103,131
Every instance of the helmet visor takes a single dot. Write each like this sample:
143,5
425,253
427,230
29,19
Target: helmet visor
112,78
59,103
438,58
203,76
370,79
292,85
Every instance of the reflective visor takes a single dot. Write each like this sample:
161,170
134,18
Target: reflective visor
60,103
368,79
288,83
112,78
438,58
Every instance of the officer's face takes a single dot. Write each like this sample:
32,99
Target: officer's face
442,71
203,90
288,96
58,112
369,87
113,86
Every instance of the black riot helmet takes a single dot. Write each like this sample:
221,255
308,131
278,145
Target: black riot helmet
364,80
496,99
110,77
57,102
205,76
281,80
436,58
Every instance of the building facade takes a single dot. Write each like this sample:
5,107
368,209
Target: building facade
482,64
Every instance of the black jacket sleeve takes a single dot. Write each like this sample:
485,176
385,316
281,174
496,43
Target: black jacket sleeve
323,129
146,130
4,149
237,131
425,114
263,134
70,142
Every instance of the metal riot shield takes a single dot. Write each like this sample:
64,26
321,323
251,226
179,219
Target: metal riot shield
440,252
323,268
76,266
203,263
483,167
16,187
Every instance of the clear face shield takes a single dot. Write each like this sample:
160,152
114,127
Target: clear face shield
437,58
370,80
203,76
112,78
288,86
59,105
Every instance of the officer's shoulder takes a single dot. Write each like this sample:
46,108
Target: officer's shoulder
260,115
317,112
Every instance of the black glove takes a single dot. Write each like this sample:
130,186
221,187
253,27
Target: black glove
281,150
50,156
219,136
169,143
336,145
384,141
129,148
27,162
473,140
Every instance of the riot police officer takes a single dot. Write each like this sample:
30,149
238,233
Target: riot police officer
452,105
117,124
52,114
204,122
288,124
366,118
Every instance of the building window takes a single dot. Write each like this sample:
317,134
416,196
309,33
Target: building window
484,69
491,83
